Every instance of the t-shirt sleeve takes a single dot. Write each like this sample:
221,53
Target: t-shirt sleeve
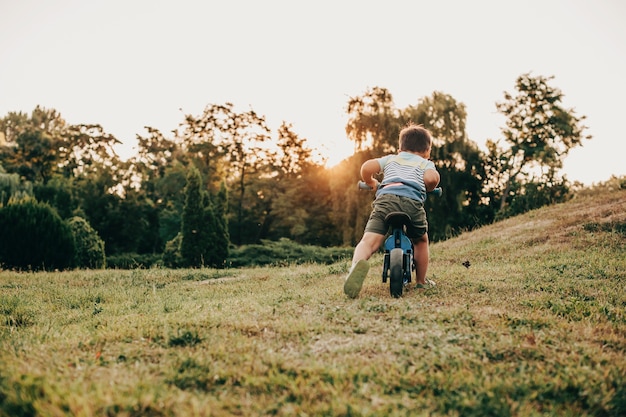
383,161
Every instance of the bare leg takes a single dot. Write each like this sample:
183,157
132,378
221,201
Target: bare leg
370,243
421,258
363,251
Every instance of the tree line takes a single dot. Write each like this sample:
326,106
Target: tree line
223,179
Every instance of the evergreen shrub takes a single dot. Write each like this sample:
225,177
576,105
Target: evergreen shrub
89,247
33,237
172,257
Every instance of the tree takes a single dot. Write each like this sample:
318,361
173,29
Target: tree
171,254
294,155
295,194
155,153
44,144
12,125
141,224
200,139
373,121
99,207
221,240
204,231
60,193
313,196
34,237
195,236
246,157
539,133
158,175
169,196
34,156
88,148
237,139
127,224
10,185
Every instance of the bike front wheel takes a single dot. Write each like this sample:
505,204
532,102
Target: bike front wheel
396,272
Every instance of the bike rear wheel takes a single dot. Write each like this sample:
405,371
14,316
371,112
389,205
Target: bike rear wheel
396,272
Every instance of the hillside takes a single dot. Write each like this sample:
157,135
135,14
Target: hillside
599,214
578,239
528,318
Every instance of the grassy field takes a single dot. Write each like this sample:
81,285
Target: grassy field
535,326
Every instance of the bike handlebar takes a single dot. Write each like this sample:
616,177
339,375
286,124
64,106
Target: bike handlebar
436,192
364,186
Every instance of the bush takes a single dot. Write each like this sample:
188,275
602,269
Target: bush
533,195
33,236
285,252
172,257
89,247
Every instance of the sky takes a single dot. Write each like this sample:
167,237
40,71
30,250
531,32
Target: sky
127,64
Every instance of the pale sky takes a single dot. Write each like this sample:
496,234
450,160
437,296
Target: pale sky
126,64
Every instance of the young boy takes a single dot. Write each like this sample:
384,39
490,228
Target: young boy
408,176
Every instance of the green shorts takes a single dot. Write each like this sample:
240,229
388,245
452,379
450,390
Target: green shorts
387,203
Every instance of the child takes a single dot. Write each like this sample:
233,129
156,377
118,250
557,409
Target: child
407,177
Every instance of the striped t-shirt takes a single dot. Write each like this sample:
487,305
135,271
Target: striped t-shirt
406,168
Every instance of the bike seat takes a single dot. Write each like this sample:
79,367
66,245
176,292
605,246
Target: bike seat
397,219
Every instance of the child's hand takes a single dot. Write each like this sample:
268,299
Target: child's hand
373,184
365,186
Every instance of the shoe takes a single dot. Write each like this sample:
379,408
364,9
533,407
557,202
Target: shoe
429,284
355,278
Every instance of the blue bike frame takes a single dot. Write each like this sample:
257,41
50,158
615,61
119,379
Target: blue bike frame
398,239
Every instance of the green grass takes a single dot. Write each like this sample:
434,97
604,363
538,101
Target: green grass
535,326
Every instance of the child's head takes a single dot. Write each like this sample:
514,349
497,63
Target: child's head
415,138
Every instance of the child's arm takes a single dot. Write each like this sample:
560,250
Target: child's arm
431,179
370,168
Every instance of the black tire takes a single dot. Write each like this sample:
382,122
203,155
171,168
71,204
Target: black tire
396,272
